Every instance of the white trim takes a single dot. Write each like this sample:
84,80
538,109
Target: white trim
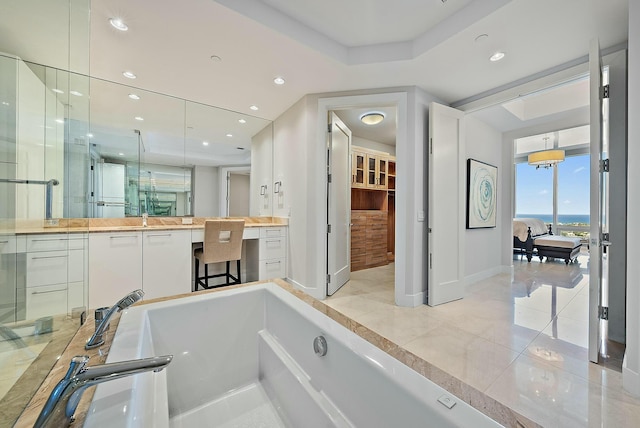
630,379
412,300
479,276
400,100
312,291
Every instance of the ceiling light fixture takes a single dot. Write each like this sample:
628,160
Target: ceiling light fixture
58,91
205,143
139,118
76,93
118,24
254,108
134,96
372,118
229,135
496,56
278,80
129,75
242,121
546,158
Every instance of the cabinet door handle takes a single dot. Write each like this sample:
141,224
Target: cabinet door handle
273,263
159,234
45,292
273,240
121,237
48,240
48,257
4,242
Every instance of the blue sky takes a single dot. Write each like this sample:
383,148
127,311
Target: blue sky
534,187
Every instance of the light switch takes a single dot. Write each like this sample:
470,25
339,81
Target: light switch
421,215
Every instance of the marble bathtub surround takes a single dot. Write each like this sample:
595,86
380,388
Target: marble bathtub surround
464,391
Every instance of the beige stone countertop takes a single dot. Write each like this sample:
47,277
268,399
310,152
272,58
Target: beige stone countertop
129,224
468,394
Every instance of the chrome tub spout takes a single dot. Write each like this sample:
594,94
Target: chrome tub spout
128,300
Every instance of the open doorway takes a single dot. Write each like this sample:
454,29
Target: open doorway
371,171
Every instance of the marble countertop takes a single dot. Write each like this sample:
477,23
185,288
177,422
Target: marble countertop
485,404
129,224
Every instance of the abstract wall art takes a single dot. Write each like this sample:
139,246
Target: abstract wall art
482,189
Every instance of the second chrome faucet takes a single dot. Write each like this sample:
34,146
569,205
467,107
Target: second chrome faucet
97,339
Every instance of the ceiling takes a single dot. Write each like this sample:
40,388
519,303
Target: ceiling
321,46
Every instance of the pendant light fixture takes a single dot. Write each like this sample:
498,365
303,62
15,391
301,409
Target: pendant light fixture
546,158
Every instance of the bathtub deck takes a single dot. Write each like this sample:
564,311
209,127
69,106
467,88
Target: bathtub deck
246,407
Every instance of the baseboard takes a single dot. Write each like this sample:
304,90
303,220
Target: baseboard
411,300
507,269
316,293
471,279
630,379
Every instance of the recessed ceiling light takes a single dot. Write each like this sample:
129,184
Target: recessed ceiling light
242,121
496,56
254,108
481,38
229,135
372,118
205,143
118,24
139,118
60,120
121,154
240,148
76,93
129,75
215,58
90,135
58,91
134,96
278,81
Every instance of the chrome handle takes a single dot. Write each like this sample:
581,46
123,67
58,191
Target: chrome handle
47,240
273,240
273,263
121,237
45,292
48,257
276,186
263,190
4,242
159,234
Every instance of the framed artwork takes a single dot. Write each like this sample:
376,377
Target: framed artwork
482,189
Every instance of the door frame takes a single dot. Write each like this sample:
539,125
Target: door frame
224,186
400,101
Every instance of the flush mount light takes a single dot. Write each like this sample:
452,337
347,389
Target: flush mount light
278,80
372,118
118,24
134,96
254,108
205,143
242,121
139,118
58,91
76,93
496,56
129,75
229,135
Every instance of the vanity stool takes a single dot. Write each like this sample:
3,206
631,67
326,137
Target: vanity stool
222,243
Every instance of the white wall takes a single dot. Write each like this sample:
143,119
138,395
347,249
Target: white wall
631,365
262,173
484,246
238,195
374,145
206,193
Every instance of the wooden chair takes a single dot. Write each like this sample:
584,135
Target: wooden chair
222,243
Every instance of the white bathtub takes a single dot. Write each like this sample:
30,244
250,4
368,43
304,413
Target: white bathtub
245,357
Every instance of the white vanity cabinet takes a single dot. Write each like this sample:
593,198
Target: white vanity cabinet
56,266
272,253
166,263
115,266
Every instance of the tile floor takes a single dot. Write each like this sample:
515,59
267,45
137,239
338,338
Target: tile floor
521,338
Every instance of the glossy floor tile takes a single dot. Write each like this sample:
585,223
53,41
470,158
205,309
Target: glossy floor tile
521,338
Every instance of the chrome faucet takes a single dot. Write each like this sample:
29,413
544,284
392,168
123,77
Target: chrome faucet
128,300
59,409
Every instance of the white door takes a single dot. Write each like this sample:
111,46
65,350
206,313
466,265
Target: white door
598,202
446,210
338,204
113,184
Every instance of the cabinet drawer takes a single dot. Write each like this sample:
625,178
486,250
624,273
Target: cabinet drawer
7,244
46,300
272,248
272,269
47,243
271,232
77,241
47,268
